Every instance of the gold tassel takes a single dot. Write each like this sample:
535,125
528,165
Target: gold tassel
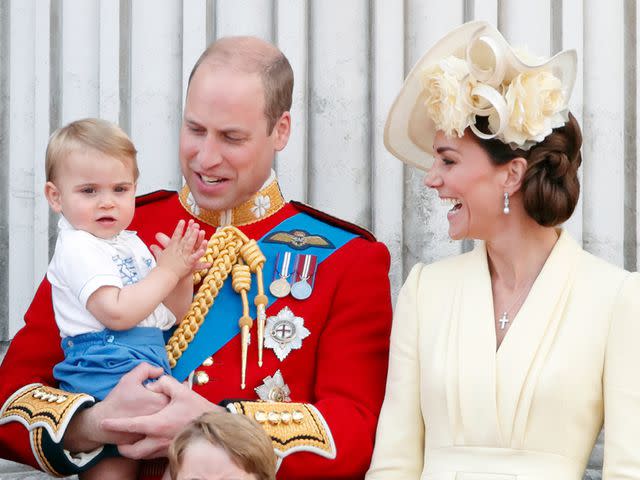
226,251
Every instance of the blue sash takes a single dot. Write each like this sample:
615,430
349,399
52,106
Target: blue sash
221,323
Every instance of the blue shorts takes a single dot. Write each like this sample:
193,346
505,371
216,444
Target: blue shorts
94,362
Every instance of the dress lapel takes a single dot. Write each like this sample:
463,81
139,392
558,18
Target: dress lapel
476,354
524,349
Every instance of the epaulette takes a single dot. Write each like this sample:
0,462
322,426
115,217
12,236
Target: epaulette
153,197
325,217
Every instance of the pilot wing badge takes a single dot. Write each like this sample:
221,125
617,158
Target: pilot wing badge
299,239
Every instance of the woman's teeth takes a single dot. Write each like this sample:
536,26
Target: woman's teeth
454,202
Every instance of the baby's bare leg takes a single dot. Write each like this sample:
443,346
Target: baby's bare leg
117,468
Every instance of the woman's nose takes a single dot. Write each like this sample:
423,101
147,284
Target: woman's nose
432,179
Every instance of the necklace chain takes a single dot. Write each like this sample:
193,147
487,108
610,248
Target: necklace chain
504,318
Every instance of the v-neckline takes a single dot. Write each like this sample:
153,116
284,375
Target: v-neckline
503,380
534,287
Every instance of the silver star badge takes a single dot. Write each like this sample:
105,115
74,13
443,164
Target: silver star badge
273,389
284,333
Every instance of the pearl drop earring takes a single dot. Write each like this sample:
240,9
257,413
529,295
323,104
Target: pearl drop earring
506,209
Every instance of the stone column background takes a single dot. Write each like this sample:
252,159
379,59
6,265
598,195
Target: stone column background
128,62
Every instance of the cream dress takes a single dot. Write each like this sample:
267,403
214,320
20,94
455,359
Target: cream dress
457,410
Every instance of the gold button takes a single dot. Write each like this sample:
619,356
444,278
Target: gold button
298,416
285,417
260,416
274,418
201,378
207,362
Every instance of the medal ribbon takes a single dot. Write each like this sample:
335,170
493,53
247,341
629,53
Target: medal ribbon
305,268
283,262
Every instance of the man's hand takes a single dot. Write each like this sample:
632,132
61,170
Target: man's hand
129,398
159,428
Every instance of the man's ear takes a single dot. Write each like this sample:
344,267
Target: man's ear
515,169
282,130
53,197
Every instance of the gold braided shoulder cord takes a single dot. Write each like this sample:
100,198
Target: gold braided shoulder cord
229,251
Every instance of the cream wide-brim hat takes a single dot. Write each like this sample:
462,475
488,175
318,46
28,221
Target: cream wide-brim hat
409,132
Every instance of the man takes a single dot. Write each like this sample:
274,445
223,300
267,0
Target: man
328,313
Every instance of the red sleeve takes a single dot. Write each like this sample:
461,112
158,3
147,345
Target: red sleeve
30,359
351,365
27,421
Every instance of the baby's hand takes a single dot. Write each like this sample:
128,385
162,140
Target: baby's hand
182,252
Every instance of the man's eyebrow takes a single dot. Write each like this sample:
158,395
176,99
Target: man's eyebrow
235,129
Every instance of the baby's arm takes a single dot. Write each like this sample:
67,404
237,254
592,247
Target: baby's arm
124,308
180,298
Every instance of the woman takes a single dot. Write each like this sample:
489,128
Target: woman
506,360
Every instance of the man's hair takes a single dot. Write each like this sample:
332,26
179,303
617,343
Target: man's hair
254,56
240,437
89,133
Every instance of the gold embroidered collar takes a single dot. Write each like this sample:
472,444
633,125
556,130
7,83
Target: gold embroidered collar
263,204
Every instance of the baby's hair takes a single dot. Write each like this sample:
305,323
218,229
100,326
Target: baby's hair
89,134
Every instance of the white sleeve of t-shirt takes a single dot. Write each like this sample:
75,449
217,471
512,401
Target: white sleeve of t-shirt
84,264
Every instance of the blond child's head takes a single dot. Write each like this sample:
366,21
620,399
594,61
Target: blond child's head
89,134
222,445
91,173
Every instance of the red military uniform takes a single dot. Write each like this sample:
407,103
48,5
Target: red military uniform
336,378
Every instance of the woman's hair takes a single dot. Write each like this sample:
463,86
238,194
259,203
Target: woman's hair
550,188
244,440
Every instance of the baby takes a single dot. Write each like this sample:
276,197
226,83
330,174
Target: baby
111,299
219,446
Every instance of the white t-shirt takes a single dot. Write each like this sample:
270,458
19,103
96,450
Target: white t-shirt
82,263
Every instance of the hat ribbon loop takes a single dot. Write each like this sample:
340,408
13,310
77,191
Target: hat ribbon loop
486,60
496,103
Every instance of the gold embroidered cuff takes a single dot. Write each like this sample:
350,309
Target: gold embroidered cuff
36,406
293,427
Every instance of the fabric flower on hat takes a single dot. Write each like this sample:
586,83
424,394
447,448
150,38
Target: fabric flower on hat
536,106
522,109
448,87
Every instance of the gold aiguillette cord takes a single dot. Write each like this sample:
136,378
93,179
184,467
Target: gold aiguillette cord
226,248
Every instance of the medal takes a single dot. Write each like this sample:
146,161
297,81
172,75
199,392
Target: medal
273,389
280,286
301,290
284,333
304,275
